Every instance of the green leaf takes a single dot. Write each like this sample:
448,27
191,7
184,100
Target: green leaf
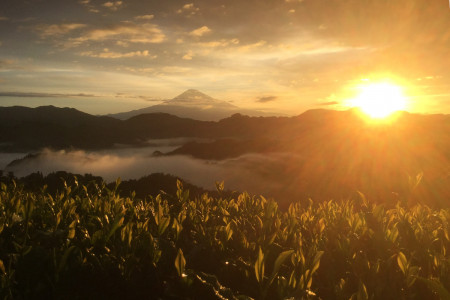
116,224
180,263
2,267
220,186
259,266
316,262
412,276
278,262
163,224
229,231
402,262
71,233
179,185
362,292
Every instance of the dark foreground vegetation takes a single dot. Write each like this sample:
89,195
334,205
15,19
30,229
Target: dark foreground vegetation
87,241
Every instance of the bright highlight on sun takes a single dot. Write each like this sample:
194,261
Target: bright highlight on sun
379,100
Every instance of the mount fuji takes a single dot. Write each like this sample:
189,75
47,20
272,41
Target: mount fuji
194,105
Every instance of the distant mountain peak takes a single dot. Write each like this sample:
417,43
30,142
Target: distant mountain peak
192,93
192,97
192,104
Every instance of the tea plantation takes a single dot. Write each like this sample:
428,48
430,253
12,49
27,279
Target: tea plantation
87,242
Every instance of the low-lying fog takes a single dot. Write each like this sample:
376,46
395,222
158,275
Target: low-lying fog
246,173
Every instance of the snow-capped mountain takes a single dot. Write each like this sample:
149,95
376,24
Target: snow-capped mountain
192,104
198,99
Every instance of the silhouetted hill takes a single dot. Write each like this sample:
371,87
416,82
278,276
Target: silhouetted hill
162,125
24,129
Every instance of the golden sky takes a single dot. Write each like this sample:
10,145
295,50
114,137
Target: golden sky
280,56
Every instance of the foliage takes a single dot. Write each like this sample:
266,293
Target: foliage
87,241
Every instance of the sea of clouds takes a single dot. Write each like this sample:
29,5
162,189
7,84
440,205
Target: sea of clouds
251,172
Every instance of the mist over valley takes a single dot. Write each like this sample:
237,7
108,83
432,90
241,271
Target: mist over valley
320,154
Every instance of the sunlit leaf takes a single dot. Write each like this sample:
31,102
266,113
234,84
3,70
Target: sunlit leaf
362,292
282,257
2,267
402,262
116,224
316,261
259,266
71,233
180,263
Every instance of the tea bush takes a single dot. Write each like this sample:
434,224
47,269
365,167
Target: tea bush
87,242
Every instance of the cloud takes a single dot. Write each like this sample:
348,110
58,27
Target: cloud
219,43
113,5
252,46
5,63
188,8
200,31
87,3
188,56
125,32
266,99
144,17
108,54
42,95
48,31
245,173
127,163
145,98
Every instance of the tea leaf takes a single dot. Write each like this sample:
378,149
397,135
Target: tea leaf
259,266
278,262
402,262
180,263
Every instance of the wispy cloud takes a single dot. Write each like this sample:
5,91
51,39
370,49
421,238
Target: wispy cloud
146,98
200,31
188,8
188,56
125,32
113,5
109,54
87,3
47,31
42,95
219,43
266,99
144,17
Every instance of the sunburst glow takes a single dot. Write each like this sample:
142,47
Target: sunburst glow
379,100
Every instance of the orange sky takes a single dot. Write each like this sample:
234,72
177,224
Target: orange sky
281,56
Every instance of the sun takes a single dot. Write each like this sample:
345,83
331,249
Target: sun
379,100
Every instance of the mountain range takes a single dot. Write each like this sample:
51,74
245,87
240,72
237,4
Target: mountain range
192,104
320,153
